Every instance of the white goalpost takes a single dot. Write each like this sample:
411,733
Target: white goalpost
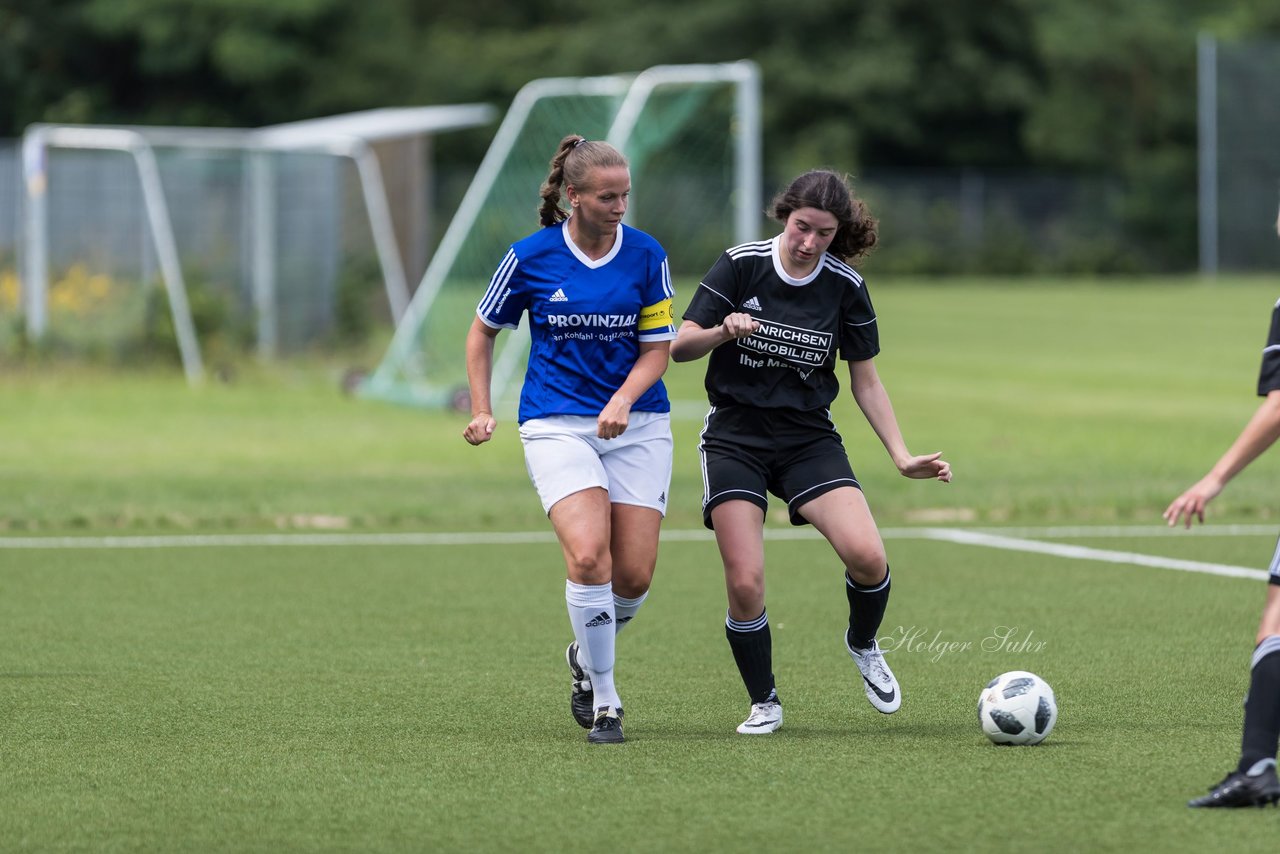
244,185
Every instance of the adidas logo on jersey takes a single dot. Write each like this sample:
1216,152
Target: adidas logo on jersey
753,304
601,619
559,296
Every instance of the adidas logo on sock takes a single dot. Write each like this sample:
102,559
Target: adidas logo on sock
753,304
559,296
601,619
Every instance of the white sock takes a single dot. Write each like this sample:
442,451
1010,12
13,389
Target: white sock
625,609
594,624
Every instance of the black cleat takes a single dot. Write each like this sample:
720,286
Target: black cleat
607,728
581,697
1242,790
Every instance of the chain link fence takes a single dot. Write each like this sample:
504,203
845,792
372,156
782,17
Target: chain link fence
10,210
1239,107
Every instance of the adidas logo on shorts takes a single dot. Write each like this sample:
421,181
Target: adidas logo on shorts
753,304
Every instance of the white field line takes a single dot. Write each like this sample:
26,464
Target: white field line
1127,531
480,538
977,538
181,541
1013,539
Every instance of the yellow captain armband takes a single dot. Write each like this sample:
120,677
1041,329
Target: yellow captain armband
656,316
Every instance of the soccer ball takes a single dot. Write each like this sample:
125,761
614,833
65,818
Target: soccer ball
1017,708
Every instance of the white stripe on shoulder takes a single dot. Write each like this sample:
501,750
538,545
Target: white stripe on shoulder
756,247
1271,348
499,281
667,287
716,292
835,265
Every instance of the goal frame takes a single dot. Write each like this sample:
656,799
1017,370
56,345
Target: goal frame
635,91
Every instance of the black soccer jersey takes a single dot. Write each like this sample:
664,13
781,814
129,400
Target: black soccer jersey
1269,374
790,362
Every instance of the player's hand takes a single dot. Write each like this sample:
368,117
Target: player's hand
613,419
926,467
739,325
1192,502
480,430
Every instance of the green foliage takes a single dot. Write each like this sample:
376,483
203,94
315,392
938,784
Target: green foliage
1098,88
222,336
359,292
1065,400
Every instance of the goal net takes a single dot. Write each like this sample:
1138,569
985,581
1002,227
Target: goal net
691,134
137,238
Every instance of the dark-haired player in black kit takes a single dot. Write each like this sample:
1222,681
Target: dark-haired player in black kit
773,315
1253,782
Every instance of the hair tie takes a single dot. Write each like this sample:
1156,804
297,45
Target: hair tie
579,142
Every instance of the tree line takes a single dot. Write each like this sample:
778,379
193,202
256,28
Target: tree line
1088,87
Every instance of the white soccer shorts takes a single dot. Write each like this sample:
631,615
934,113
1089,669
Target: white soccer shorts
564,455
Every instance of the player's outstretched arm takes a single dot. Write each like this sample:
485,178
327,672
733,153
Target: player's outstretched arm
480,339
874,402
1259,434
693,341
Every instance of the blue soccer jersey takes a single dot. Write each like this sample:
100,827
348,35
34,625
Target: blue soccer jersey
587,318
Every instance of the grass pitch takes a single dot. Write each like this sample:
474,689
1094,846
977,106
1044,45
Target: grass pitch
404,698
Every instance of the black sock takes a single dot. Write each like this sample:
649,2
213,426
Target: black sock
1262,705
866,610
752,648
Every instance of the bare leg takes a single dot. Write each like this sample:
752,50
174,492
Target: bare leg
634,548
582,522
740,536
843,517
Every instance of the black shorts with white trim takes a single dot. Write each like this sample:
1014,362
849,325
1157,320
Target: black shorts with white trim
748,452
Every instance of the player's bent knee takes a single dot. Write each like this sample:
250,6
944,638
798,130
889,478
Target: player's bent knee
867,568
1270,623
747,594
589,569
631,585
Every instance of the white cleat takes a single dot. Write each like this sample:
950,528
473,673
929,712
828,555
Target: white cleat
882,689
765,717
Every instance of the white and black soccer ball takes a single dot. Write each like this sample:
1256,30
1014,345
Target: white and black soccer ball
1017,708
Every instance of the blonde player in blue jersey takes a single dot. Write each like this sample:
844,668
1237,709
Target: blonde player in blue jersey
776,316
594,416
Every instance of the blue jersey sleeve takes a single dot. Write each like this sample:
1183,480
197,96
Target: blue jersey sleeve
657,319
504,300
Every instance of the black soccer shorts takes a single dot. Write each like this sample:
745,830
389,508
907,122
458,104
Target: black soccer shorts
748,452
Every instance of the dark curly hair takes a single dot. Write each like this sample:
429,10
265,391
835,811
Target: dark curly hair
829,191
